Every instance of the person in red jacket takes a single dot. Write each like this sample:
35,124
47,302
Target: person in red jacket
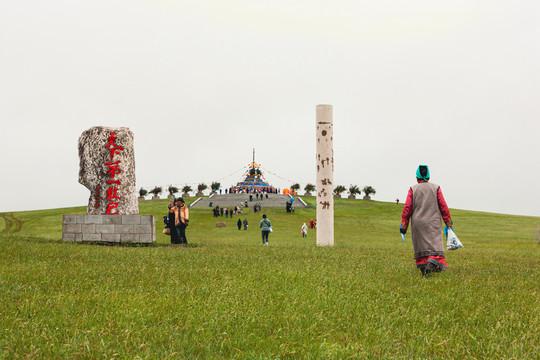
424,207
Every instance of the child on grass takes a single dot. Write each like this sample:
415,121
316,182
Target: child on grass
304,231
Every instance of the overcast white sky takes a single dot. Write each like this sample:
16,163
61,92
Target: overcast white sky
451,84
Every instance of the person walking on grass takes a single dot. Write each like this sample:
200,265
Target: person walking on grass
304,231
239,224
265,226
245,224
424,207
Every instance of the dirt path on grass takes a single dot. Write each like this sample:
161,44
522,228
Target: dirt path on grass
10,219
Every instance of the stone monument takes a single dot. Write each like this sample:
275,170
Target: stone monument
325,175
107,169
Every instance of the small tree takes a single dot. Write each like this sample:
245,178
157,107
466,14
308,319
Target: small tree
215,186
295,187
142,193
172,190
339,189
156,191
368,190
200,188
353,190
186,190
309,188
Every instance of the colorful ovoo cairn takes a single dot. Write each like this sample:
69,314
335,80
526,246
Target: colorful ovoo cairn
253,177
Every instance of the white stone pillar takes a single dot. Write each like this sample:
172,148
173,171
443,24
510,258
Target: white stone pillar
325,176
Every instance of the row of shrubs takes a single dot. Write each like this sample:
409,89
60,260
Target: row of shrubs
157,190
340,189
215,186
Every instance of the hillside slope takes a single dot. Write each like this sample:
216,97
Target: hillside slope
358,223
227,296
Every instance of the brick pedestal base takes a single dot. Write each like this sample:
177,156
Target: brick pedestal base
109,228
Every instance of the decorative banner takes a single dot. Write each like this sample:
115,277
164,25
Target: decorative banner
276,175
245,170
192,184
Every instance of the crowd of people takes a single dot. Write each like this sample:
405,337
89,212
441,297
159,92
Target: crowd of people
251,190
220,211
177,220
258,195
238,210
424,207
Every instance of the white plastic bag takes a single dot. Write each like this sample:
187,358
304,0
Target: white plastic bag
452,242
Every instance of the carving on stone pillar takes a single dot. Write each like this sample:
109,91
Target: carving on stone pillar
325,175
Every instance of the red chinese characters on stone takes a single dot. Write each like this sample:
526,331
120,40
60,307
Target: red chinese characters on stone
111,207
112,146
112,193
113,169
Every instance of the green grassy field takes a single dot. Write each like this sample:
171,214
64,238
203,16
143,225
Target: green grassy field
227,296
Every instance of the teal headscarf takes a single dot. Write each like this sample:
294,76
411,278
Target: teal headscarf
419,173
